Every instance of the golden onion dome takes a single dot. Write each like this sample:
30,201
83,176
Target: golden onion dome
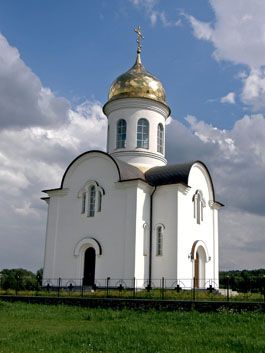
137,83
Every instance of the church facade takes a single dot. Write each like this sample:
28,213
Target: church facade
126,214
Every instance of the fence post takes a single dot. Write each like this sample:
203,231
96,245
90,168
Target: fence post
82,288
37,285
134,289
108,278
193,289
59,286
163,288
263,287
227,288
17,284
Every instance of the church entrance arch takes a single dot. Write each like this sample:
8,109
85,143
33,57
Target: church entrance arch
200,256
87,252
89,267
199,268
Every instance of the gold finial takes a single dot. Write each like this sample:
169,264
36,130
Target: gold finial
139,38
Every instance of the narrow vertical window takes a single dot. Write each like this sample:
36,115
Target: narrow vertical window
83,210
159,241
121,133
198,208
199,204
160,138
145,240
99,201
143,133
92,201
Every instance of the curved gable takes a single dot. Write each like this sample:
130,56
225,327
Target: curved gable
85,155
207,176
124,170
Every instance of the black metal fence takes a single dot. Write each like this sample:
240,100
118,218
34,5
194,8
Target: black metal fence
164,288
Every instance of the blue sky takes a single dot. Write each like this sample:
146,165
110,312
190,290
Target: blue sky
78,48
57,62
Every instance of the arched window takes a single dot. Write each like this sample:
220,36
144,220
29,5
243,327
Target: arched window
143,133
199,204
92,201
121,133
160,138
91,196
159,241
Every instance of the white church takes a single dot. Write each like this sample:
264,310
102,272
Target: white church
126,214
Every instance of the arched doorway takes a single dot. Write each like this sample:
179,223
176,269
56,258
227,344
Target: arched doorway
199,268
89,267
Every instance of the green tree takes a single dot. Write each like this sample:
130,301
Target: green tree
18,278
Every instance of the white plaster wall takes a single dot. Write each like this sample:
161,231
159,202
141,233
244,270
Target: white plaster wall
216,246
113,227
142,226
51,233
188,229
165,214
121,225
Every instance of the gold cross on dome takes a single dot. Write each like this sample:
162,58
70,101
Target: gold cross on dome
139,38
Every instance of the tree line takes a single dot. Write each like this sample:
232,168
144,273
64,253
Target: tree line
243,280
20,279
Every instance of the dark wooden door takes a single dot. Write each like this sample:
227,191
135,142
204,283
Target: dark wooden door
89,267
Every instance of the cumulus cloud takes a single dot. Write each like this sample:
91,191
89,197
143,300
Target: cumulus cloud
253,92
230,98
238,31
23,99
236,161
39,135
238,35
32,159
201,30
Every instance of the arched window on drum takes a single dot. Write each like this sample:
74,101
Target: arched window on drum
121,133
160,138
143,133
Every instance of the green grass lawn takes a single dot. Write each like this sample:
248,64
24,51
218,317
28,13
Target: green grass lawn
26,328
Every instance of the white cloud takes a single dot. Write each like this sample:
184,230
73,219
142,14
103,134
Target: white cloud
236,160
32,159
230,98
253,92
39,135
201,30
23,99
238,35
238,32
150,8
